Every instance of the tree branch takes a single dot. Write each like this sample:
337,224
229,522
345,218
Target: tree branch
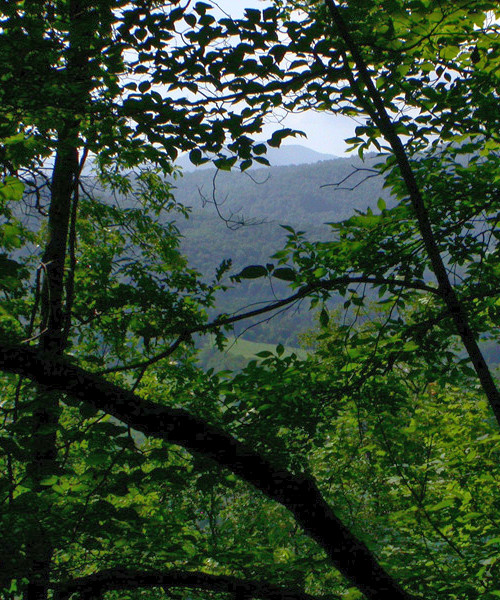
322,284
303,292
374,104
298,493
120,578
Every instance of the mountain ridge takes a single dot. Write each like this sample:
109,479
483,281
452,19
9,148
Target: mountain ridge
288,154
311,193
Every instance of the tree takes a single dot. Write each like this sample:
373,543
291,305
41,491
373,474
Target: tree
102,327
402,449
387,80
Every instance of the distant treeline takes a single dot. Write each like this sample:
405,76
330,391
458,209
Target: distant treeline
254,205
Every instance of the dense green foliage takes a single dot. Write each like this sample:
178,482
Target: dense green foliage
370,467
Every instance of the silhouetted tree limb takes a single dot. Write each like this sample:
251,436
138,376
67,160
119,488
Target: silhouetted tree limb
373,103
298,493
120,578
302,293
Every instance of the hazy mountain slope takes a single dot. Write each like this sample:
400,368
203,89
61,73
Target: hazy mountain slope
290,154
288,195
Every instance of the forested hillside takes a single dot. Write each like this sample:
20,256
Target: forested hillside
366,469
303,194
255,205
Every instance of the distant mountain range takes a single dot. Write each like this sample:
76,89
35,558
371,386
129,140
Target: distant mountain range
297,195
290,154
262,200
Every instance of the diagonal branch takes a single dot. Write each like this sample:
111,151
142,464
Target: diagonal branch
120,578
304,291
374,105
320,285
298,493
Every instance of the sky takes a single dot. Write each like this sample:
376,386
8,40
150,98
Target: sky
325,132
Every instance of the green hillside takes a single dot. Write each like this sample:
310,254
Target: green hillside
291,195
295,194
238,352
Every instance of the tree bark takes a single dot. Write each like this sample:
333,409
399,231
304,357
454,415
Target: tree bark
46,403
53,320
298,494
374,105
121,578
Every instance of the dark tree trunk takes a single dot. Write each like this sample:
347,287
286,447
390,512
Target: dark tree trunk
369,96
298,494
54,322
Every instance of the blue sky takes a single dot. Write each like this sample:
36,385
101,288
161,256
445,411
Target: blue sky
325,133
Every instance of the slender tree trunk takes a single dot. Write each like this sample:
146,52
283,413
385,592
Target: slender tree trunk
46,404
373,103
54,322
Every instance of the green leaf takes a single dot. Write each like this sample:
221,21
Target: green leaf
285,273
49,481
324,317
87,410
440,505
98,458
253,272
495,540
278,136
225,163
202,7
253,15
12,235
195,156
11,189
11,273
13,139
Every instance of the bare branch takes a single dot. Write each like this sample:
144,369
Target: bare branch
372,173
120,578
319,285
233,221
143,364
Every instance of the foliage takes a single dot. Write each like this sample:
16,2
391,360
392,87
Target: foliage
349,472
413,461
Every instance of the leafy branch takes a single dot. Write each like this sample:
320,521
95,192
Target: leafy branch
298,493
374,105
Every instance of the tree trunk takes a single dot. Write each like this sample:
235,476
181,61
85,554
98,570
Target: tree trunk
46,404
298,494
374,105
54,321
